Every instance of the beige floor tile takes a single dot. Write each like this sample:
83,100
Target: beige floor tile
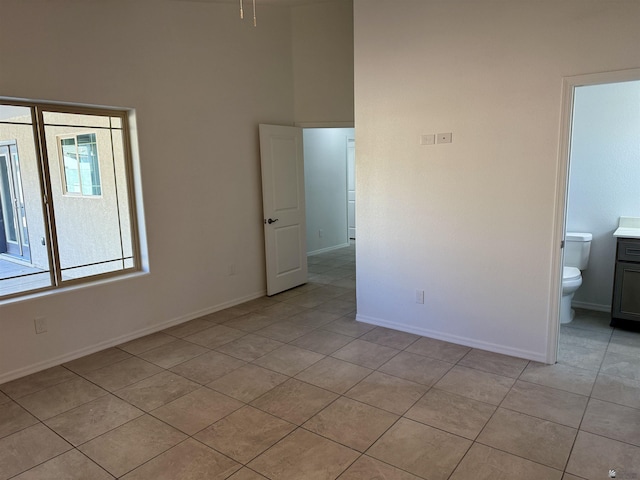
196,410
172,354
486,463
387,392
613,421
148,342
4,398
251,322
451,413
348,326
583,338
339,307
538,440
568,476
478,385
245,434
258,303
313,318
71,465
27,448
215,336
249,347
128,446
304,455
307,300
623,391
157,390
351,423
547,403
563,377
288,360
187,460
430,347
322,341
246,474
88,421
36,382
416,368
284,331
206,368
621,365
626,343
366,354
333,374
248,382
97,360
494,363
14,418
592,457
398,448
281,311
294,401
580,357
123,373
390,338
59,398
189,328
367,468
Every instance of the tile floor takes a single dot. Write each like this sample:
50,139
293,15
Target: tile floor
292,387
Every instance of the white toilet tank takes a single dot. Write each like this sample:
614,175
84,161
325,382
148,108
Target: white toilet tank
577,247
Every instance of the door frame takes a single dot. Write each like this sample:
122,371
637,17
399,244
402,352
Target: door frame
569,85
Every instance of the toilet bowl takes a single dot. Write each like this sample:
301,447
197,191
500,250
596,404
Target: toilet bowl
571,281
576,258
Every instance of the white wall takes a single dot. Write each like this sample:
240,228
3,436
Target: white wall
323,62
201,81
325,183
472,222
604,178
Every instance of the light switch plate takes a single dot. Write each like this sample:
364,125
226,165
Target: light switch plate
428,139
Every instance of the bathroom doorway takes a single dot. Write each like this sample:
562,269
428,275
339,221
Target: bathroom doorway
601,165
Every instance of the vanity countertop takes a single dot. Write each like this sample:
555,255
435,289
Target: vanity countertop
628,227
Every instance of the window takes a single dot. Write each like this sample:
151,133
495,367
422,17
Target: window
79,155
52,157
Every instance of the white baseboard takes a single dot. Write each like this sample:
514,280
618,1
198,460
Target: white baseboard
328,249
591,306
469,342
67,357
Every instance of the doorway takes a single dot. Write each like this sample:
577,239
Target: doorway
14,235
599,172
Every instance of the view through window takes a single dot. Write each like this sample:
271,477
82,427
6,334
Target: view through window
66,196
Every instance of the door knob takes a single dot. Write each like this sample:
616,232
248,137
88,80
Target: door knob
271,220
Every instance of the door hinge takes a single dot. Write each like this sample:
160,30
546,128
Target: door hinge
562,244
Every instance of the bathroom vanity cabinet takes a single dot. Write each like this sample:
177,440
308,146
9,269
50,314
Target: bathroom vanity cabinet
625,310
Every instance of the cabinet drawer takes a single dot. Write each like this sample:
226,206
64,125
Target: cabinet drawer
629,250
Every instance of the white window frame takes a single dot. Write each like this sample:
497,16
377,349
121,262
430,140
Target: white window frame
132,261
63,169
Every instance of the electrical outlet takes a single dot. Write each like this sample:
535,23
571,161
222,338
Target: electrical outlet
419,296
231,269
40,324
445,138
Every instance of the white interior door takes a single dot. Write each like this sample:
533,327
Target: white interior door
283,205
351,187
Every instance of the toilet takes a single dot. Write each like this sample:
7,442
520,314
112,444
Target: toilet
577,247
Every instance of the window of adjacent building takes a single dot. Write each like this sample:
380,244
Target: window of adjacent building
51,158
81,173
